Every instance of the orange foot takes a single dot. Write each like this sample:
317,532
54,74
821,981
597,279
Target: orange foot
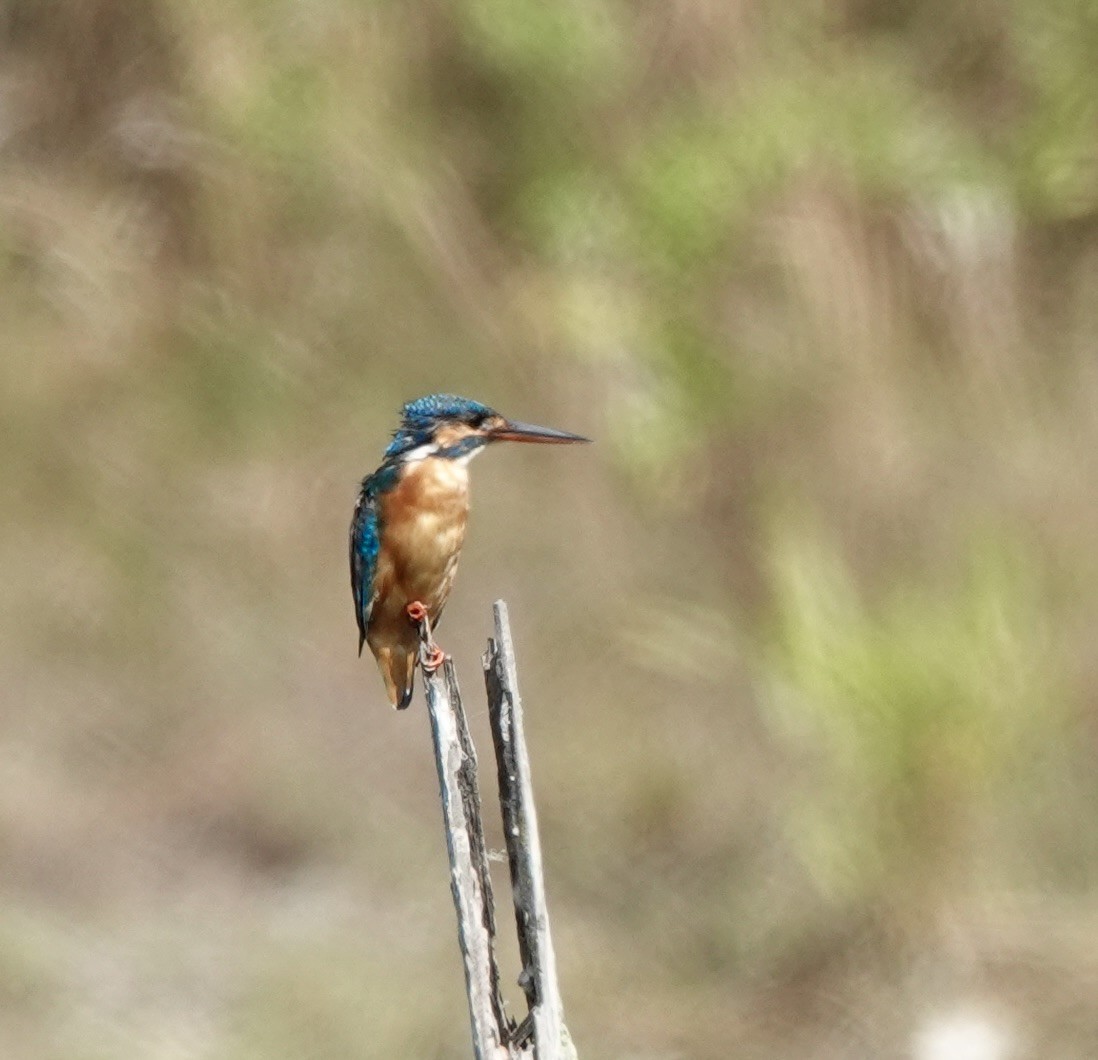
417,612
433,658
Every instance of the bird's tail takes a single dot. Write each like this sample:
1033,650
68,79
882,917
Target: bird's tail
398,668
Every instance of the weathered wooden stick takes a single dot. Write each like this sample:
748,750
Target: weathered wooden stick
469,877
542,1035
520,828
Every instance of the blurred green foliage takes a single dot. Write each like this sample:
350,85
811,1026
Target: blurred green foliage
925,703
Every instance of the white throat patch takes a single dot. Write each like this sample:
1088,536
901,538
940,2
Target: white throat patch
421,452
424,452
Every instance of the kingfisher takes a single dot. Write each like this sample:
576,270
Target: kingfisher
409,525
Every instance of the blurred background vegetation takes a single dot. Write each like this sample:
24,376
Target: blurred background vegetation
807,640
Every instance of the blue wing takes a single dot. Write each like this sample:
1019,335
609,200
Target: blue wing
365,544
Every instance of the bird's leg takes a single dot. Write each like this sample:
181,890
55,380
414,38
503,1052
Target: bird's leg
431,655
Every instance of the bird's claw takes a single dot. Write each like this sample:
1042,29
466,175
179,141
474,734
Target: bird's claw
432,658
430,655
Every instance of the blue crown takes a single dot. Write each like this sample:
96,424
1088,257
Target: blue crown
425,411
419,419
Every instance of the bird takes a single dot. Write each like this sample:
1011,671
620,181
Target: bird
409,525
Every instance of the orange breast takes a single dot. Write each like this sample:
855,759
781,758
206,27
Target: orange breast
424,520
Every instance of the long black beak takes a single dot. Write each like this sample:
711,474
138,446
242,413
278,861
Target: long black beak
528,432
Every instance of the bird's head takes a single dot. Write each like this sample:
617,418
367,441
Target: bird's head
457,428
